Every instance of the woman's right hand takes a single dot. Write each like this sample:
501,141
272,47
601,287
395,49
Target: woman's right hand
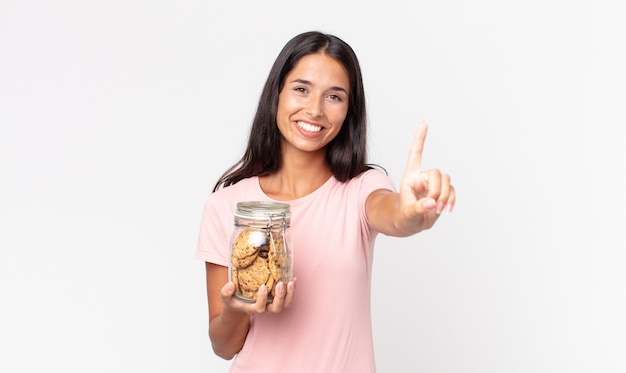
282,299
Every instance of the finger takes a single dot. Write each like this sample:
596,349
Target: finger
433,182
279,298
417,148
227,291
261,299
444,194
291,286
451,200
425,205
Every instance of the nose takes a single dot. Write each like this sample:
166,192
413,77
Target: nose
315,108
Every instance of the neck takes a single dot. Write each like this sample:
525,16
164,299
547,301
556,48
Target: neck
298,176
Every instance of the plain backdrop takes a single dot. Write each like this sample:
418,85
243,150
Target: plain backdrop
117,117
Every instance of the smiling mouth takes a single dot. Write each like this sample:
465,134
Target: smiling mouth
308,127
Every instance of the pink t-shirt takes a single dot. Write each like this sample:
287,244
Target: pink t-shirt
328,326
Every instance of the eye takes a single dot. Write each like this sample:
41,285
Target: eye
300,89
335,97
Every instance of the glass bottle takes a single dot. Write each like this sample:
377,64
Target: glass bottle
260,248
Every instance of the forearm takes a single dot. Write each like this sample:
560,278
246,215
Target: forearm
386,216
228,327
228,332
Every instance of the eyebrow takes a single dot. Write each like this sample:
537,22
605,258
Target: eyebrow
307,82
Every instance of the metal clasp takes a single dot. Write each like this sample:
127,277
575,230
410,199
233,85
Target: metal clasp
272,224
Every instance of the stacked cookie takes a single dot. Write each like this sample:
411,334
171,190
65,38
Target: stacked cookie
259,257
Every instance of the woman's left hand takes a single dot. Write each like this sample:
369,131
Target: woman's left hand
424,194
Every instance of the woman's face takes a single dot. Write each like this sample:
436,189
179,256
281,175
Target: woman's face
313,103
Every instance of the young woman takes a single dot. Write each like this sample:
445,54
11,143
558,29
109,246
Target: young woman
307,148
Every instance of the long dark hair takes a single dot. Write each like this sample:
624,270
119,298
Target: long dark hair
346,154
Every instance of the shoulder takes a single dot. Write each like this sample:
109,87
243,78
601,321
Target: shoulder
359,187
227,197
243,186
373,179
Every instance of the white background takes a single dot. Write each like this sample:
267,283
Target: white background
117,117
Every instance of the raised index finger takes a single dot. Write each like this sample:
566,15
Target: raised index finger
417,147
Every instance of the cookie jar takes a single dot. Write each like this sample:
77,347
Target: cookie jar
260,248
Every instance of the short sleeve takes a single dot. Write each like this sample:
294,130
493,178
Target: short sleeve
372,180
215,228
369,182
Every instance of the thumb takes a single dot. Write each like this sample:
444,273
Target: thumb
427,204
228,290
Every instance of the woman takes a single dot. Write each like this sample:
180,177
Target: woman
307,148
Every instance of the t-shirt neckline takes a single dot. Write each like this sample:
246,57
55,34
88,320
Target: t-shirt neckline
327,184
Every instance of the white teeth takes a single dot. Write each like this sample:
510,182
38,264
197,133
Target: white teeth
309,127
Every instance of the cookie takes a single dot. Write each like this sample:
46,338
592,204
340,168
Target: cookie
246,246
245,261
252,277
270,285
234,276
277,243
279,259
280,266
259,257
